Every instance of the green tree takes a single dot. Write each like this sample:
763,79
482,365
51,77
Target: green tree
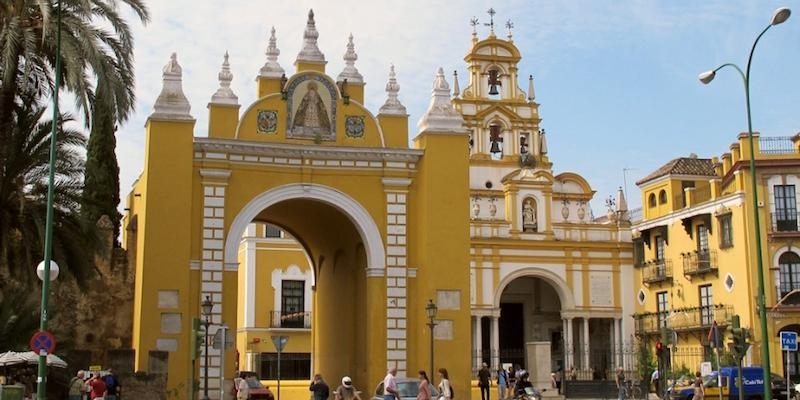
95,40
101,177
23,197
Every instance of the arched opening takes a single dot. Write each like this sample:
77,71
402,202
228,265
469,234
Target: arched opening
309,279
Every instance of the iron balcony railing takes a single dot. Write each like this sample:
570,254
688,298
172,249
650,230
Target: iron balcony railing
700,262
290,319
655,271
776,145
785,221
683,319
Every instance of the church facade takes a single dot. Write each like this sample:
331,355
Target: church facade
306,215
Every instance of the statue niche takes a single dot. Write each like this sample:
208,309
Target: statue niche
529,222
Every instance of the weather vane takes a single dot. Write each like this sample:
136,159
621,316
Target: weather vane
491,13
510,26
474,23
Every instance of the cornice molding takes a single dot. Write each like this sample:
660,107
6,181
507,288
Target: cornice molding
239,147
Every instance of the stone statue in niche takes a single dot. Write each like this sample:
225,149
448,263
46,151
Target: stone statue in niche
529,223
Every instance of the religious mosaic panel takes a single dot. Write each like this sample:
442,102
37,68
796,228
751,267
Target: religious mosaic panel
354,126
311,108
267,121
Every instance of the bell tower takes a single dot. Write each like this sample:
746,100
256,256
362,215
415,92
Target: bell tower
503,120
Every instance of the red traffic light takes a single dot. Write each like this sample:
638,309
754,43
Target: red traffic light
659,347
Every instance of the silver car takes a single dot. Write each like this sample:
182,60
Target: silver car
408,388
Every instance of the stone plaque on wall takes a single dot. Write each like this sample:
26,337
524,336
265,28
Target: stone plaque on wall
167,299
448,299
601,289
170,323
443,329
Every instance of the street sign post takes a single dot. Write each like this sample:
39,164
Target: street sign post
788,343
279,342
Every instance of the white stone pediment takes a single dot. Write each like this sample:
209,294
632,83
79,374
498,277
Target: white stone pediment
525,175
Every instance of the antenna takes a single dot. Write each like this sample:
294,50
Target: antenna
625,181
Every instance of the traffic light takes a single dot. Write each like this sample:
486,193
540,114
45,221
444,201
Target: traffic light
198,335
740,338
659,348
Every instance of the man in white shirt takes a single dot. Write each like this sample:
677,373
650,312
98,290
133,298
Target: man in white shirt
390,385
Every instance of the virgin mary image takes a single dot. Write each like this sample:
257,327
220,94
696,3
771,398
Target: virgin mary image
311,115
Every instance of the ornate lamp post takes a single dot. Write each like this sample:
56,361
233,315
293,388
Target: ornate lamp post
206,307
431,309
780,16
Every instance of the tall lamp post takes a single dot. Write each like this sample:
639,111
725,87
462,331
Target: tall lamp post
206,306
431,309
41,380
780,16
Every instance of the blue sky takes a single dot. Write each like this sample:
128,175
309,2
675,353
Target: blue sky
616,80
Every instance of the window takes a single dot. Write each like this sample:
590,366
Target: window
725,231
651,200
272,231
789,275
294,366
638,252
703,259
706,305
662,197
785,208
662,307
292,303
660,264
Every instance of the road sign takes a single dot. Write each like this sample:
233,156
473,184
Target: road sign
788,341
217,341
43,341
279,342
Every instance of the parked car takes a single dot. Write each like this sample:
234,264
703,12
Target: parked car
257,389
408,389
779,387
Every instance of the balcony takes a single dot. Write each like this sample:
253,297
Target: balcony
657,271
290,319
700,263
785,221
683,320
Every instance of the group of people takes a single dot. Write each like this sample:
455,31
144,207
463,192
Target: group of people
346,391
510,383
98,386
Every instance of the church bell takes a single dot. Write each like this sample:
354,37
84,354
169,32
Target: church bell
494,82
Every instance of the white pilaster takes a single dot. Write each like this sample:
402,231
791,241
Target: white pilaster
396,272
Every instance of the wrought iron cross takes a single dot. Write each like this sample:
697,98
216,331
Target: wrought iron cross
491,13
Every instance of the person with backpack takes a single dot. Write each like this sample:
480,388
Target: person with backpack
76,386
502,383
112,386
445,390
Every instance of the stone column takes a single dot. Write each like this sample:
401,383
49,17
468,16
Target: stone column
495,340
478,342
570,343
612,327
585,343
621,343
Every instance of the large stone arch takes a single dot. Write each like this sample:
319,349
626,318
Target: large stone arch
362,220
558,283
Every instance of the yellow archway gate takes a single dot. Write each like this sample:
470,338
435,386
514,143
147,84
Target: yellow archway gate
384,227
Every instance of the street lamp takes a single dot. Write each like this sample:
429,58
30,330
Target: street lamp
780,16
41,380
431,309
206,307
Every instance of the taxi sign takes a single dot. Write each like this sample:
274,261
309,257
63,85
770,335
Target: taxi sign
95,368
788,341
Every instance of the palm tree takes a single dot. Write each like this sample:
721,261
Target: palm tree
95,40
23,197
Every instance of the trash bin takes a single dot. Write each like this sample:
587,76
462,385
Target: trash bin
10,392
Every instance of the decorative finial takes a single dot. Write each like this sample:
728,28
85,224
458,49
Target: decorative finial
392,105
543,143
171,102
310,51
509,26
491,13
456,89
224,94
271,68
441,116
531,94
474,23
350,73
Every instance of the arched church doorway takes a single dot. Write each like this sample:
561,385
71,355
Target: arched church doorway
531,326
